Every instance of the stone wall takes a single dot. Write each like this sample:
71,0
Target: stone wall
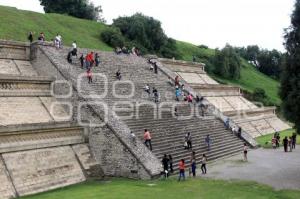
43,169
14,50
111,144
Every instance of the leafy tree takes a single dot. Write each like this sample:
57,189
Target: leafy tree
290,82
269,62
227,63
148,33
76,8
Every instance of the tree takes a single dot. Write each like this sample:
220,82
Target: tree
76,8
290,81
269,62
147,33
227,63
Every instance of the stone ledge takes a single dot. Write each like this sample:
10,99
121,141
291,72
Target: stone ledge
14,43
251,112
182,63
31,79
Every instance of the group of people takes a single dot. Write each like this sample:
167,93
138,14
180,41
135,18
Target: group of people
41,37
154,93
88,62
153,65
124,50
192,166
289,143
188,141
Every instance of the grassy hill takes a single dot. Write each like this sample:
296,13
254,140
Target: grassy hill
15,25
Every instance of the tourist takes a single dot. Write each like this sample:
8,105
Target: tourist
274,141
227,123
124,50
208,142
194,58
290,143
81,60
133,137
188,139
245,149
171,163
193,163
97,59
58,41
147,139
155,68
177,80
147,89
133,50
89,60
239,133
177,93
182,87
151,67
294,140
181,170
118,75
118,50
190,98
41,37
277,140
74,48
30,37
165,163
176,111
285,143
155,94
203,164
89,75
69,57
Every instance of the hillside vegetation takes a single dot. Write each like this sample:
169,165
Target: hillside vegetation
15,25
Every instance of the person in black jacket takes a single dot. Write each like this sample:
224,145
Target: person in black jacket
165,163
285,144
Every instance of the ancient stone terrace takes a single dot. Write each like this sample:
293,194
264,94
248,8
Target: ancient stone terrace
228,99
138,111
40,148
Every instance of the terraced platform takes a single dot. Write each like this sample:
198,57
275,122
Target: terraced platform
228,99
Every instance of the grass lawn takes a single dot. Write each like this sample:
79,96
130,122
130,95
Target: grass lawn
192,188
16,24
267,138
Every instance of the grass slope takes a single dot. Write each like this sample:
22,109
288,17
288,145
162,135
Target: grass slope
170,189
15,25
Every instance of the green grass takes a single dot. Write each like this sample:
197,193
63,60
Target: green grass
262,140
15,25
170,189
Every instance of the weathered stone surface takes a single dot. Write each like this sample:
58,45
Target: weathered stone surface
28,139
207,79
277,124
90,165
6,188
236,102
14,50
25,68
43,169
220,103
8,66
20,110
192,78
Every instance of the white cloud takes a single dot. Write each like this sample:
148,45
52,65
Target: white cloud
210,22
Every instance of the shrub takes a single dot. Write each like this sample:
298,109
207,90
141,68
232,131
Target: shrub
113,37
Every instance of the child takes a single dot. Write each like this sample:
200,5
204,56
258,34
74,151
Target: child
89,75
274,140
181,170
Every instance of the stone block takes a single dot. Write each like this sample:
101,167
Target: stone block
220,103
25,68
43,169
8,67
192,78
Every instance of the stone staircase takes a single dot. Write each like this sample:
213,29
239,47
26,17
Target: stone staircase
254,120
139,112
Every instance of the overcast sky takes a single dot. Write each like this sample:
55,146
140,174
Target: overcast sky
210,22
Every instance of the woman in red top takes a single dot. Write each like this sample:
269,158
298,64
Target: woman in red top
181,170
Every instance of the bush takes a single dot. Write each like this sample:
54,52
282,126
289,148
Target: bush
203,46
113,37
